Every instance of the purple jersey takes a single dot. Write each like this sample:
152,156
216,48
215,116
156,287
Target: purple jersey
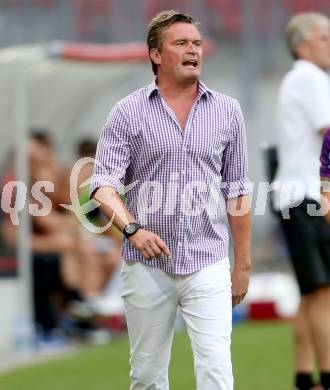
325,155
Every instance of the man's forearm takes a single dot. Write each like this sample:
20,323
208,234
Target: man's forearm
150,245
240,226
113,207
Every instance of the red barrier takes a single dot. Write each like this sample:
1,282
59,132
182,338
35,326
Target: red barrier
8,264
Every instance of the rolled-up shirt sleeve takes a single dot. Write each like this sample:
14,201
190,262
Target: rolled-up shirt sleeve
113,153
235,181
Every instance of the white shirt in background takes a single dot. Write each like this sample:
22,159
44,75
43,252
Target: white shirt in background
303,110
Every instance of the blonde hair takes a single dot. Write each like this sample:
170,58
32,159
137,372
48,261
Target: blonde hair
160,23
300,26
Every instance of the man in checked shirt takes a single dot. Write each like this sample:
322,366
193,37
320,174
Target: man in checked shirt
183,147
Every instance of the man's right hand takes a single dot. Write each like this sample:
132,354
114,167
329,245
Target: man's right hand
149,244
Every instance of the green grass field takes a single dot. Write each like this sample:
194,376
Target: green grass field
262,358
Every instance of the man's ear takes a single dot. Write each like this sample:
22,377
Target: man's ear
302,50
155,56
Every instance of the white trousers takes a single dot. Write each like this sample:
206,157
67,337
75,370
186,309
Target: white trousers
151,298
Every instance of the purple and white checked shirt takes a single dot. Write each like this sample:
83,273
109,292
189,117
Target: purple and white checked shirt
180,179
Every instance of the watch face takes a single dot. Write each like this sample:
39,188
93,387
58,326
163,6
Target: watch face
130,228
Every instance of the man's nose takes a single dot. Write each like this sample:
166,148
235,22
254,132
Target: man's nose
191,48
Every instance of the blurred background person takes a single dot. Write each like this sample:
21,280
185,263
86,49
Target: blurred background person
71,268
47,249
101,287
325,174
304,115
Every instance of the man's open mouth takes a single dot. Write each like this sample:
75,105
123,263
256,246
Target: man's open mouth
192,63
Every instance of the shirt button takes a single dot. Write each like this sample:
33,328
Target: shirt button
183,172
182,220
179,243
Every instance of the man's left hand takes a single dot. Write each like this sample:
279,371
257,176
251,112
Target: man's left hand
240,284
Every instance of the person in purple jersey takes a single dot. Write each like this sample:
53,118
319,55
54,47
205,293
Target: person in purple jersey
325,173
179,149
304,116
325,155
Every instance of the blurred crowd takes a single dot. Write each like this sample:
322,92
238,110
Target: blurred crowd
76,273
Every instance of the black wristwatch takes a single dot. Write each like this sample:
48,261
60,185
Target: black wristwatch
131,229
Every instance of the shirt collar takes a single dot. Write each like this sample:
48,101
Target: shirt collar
204,90
305,64
152,88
